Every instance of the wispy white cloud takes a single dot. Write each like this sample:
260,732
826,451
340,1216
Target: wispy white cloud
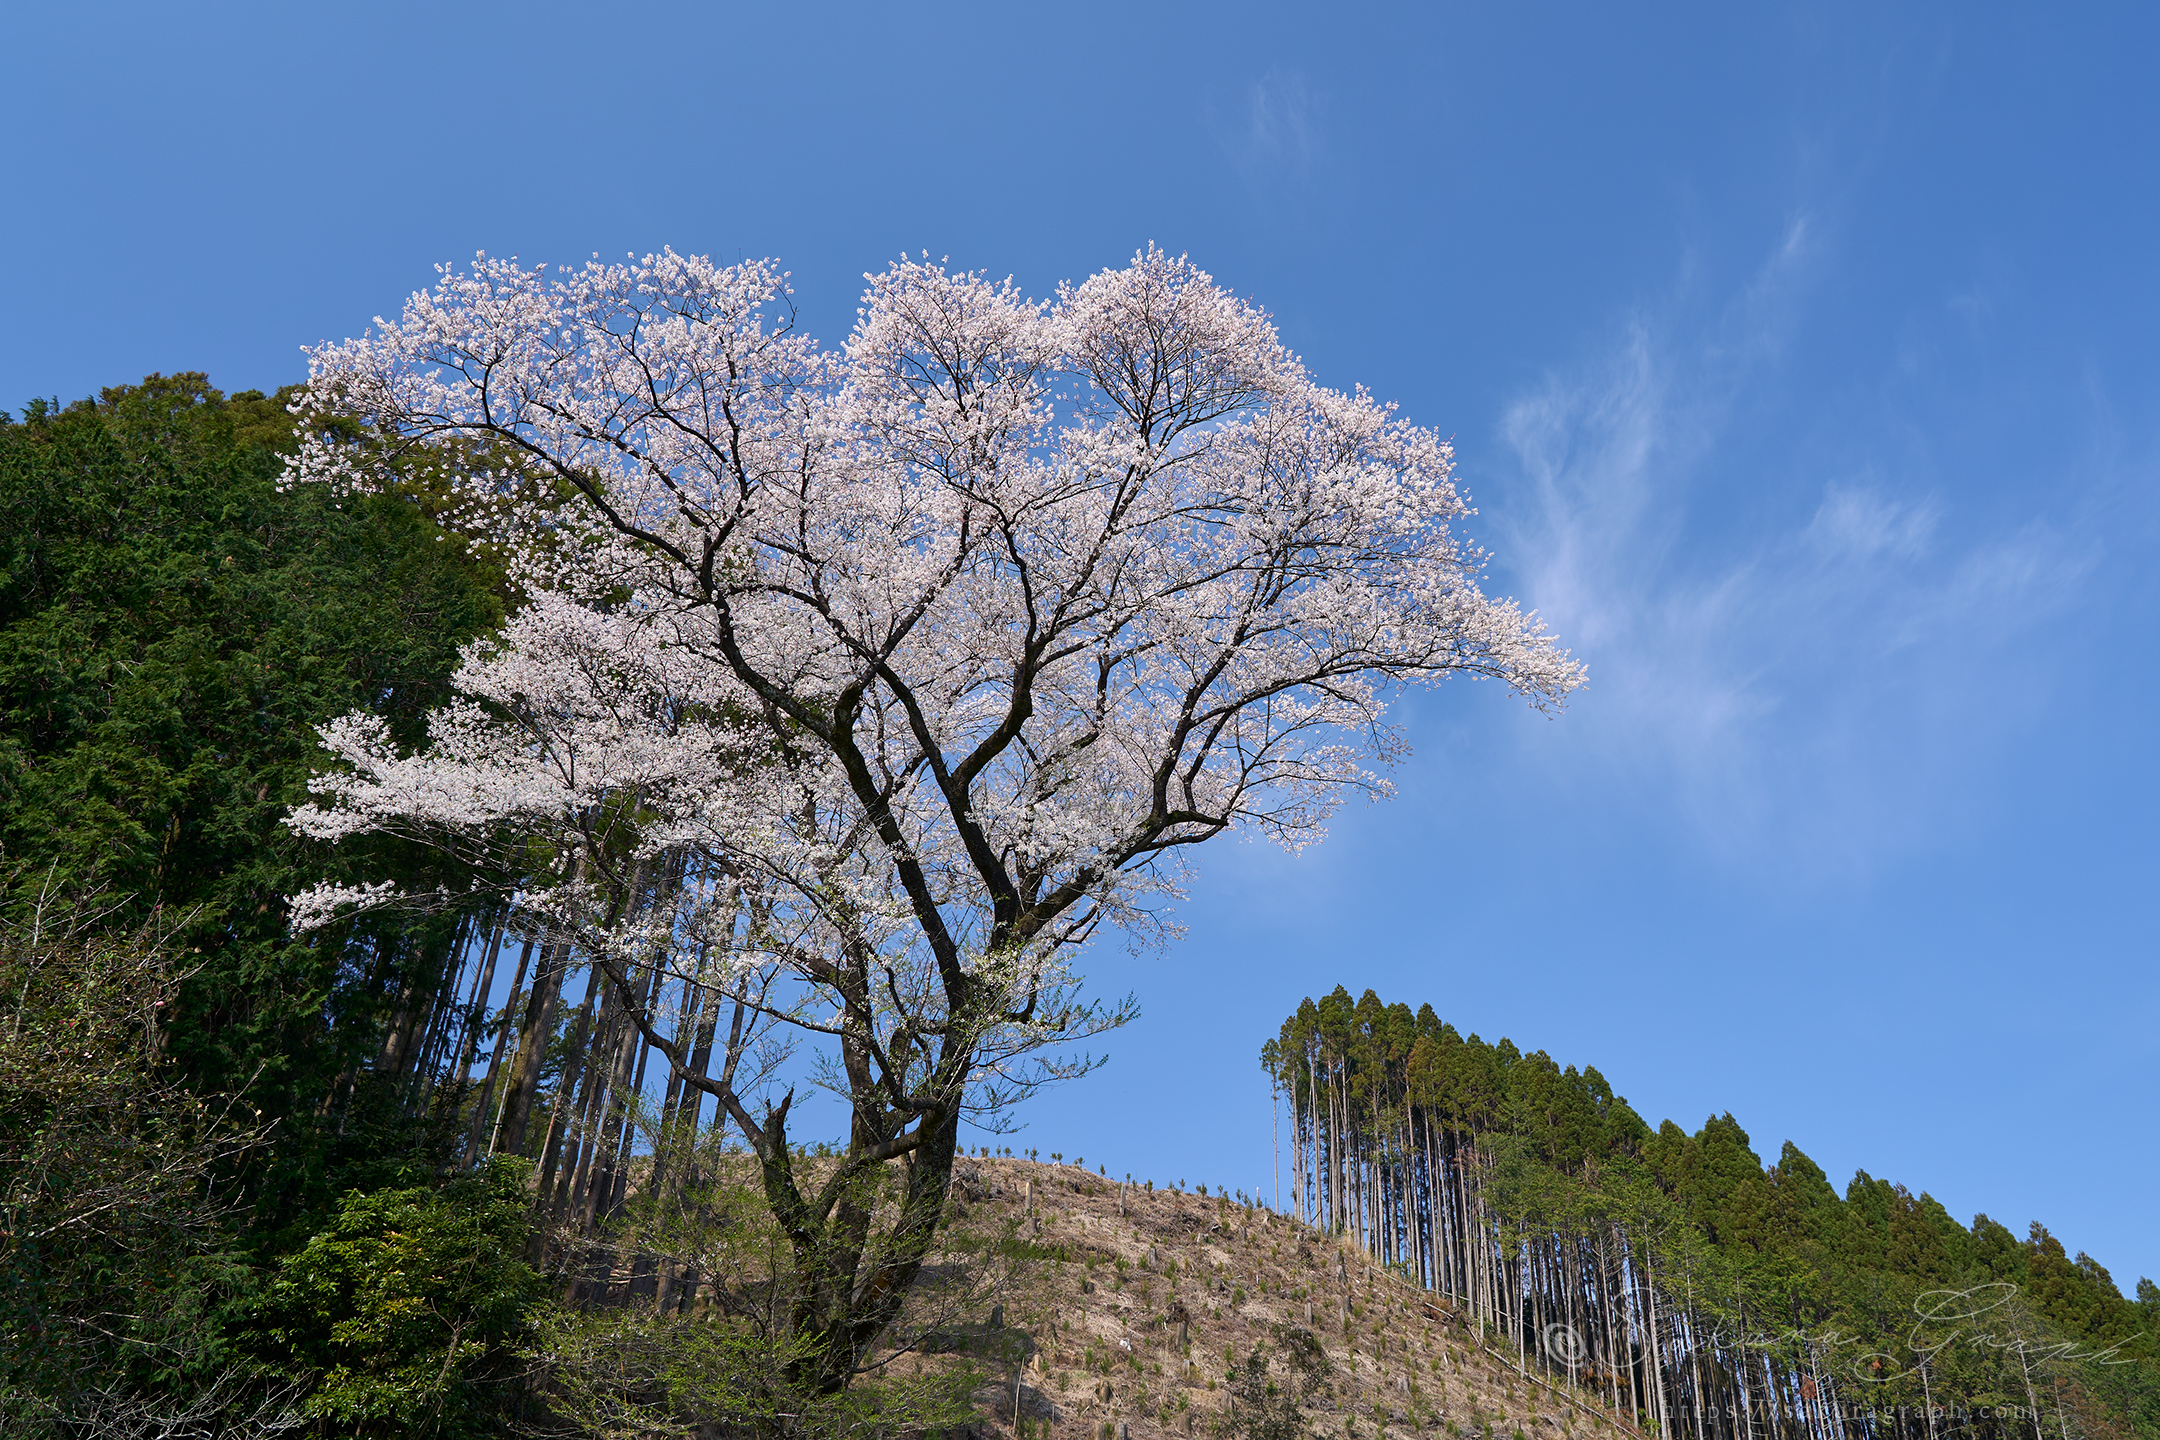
1273,128
1810,666
1862,525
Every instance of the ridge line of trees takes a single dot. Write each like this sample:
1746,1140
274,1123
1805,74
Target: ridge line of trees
1676,1276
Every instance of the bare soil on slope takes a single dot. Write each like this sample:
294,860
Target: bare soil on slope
1132,1307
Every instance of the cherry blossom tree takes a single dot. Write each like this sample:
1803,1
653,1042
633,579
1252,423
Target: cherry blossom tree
899,670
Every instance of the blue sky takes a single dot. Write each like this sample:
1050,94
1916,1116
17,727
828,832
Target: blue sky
1802,363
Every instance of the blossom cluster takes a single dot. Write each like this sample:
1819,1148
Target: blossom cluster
948,641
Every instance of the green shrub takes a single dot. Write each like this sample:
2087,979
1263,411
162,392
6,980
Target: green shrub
406,1315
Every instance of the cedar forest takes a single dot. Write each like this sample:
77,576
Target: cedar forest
447,1168
1710,1294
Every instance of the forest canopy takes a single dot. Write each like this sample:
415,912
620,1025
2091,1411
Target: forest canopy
1706,1292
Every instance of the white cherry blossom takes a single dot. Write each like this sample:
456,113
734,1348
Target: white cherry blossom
922,658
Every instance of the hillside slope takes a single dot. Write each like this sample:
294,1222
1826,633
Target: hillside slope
1142,1302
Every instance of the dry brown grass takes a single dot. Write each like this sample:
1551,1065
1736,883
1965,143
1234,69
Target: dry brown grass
1135,1274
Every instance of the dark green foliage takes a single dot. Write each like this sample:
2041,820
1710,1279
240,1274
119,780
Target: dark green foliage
409,1313
115,1246
1878,1289
172,629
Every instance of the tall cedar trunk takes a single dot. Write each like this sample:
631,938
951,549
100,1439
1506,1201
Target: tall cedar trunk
597,1130
583,1122
633,1097
681,1119
570,1099
1375,1161
390,1059
468,1041
533,1035
483,1121
442,999
457,1016
589,1201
